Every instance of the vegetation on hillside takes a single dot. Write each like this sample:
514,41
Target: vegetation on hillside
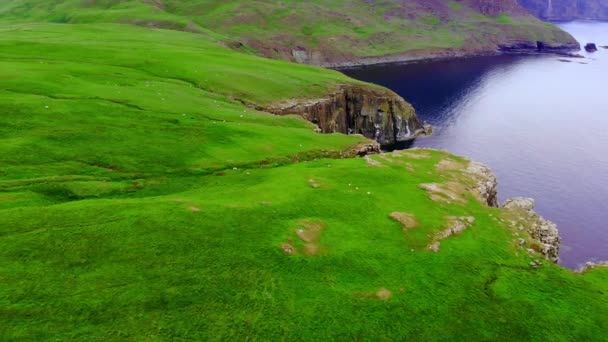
318,32
142,198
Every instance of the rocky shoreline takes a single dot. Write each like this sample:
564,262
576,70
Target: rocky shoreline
518,213
518,48
544,232
591,265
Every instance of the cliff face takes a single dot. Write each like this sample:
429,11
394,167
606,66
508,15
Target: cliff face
545,235
486,188
376,113
567,9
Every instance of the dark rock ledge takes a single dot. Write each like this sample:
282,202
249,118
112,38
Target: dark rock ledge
566,50
374,112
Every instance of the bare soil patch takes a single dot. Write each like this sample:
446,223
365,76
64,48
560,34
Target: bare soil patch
382,294
309,232
372,162
413,154
313,183
408,221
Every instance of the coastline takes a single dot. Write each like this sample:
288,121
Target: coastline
410,58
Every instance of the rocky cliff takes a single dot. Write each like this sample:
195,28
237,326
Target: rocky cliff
376,113
486,187
567,9
546,239
535,234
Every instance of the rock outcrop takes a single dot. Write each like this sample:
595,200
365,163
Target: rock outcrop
591,47
376,113
543,231
486,188
517,46
591,265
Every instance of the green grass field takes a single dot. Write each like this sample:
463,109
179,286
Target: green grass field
141,199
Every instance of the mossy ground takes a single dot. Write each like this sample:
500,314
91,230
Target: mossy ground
141,199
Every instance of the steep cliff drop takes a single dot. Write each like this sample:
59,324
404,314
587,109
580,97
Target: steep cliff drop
375,113
543,232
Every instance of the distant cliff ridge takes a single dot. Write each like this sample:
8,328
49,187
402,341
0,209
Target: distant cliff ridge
331,33
567,9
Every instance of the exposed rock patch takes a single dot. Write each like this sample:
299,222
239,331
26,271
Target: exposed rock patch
364,149
543,231
522,203
591,265
486,189
454,225
288,249
375,113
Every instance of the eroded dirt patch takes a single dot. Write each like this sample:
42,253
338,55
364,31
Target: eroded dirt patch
408,221
413,154
448,164
313,183
372,162
191,206
389,157
382,294
446,192
309,233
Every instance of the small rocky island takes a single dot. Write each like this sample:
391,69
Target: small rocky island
591,47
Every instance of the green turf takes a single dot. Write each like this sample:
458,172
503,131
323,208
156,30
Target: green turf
141,199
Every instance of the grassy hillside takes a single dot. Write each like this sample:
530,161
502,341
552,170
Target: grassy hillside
317,32
142,199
